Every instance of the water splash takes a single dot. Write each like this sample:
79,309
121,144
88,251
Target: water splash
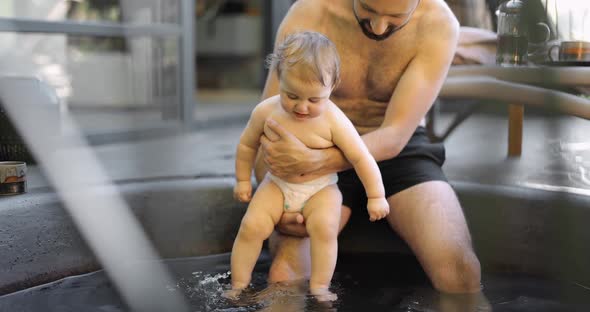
204,292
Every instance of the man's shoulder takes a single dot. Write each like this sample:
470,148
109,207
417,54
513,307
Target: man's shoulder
437,18
311,7
307,14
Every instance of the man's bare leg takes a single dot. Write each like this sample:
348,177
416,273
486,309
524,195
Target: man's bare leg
291,254
429,218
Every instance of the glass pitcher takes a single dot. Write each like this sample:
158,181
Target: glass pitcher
513,33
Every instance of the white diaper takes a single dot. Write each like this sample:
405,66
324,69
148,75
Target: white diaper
297,194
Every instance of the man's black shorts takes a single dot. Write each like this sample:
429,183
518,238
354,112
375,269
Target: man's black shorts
420,161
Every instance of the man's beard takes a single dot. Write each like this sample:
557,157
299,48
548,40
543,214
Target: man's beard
365,25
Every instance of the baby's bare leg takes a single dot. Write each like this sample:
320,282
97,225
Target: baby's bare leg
322,215
264,212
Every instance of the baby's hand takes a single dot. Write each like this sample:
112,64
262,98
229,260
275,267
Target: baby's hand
243,191
378,208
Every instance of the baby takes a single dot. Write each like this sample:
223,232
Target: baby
308,67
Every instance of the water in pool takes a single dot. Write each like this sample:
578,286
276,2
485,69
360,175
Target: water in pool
363,282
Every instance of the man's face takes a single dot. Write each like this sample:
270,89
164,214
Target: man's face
379,19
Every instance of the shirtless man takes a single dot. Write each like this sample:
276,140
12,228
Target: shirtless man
395,56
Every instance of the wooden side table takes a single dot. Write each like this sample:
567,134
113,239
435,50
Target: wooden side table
515,127
519,86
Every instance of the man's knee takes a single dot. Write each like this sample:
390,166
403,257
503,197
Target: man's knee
291,259
460,272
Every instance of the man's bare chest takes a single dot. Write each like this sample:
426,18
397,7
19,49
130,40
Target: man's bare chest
374,80
371,69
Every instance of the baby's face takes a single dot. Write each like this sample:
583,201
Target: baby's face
301,98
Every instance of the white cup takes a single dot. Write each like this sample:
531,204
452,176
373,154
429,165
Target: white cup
576,51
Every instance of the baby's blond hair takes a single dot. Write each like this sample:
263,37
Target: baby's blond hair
310,49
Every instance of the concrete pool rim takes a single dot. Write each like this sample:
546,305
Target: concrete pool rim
516,229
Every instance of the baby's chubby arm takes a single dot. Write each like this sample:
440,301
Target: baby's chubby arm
247,148
347,139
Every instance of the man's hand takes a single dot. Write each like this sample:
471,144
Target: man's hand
292,223
378,208
285,155
243,191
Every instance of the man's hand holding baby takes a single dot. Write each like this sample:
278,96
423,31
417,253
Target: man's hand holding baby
286,156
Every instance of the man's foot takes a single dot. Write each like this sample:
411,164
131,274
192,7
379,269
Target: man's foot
291,261
282,271
323,294
232,294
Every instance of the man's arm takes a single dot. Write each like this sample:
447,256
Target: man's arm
299,17
417,88
271,86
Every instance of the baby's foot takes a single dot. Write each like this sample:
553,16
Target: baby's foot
232,294
323,294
